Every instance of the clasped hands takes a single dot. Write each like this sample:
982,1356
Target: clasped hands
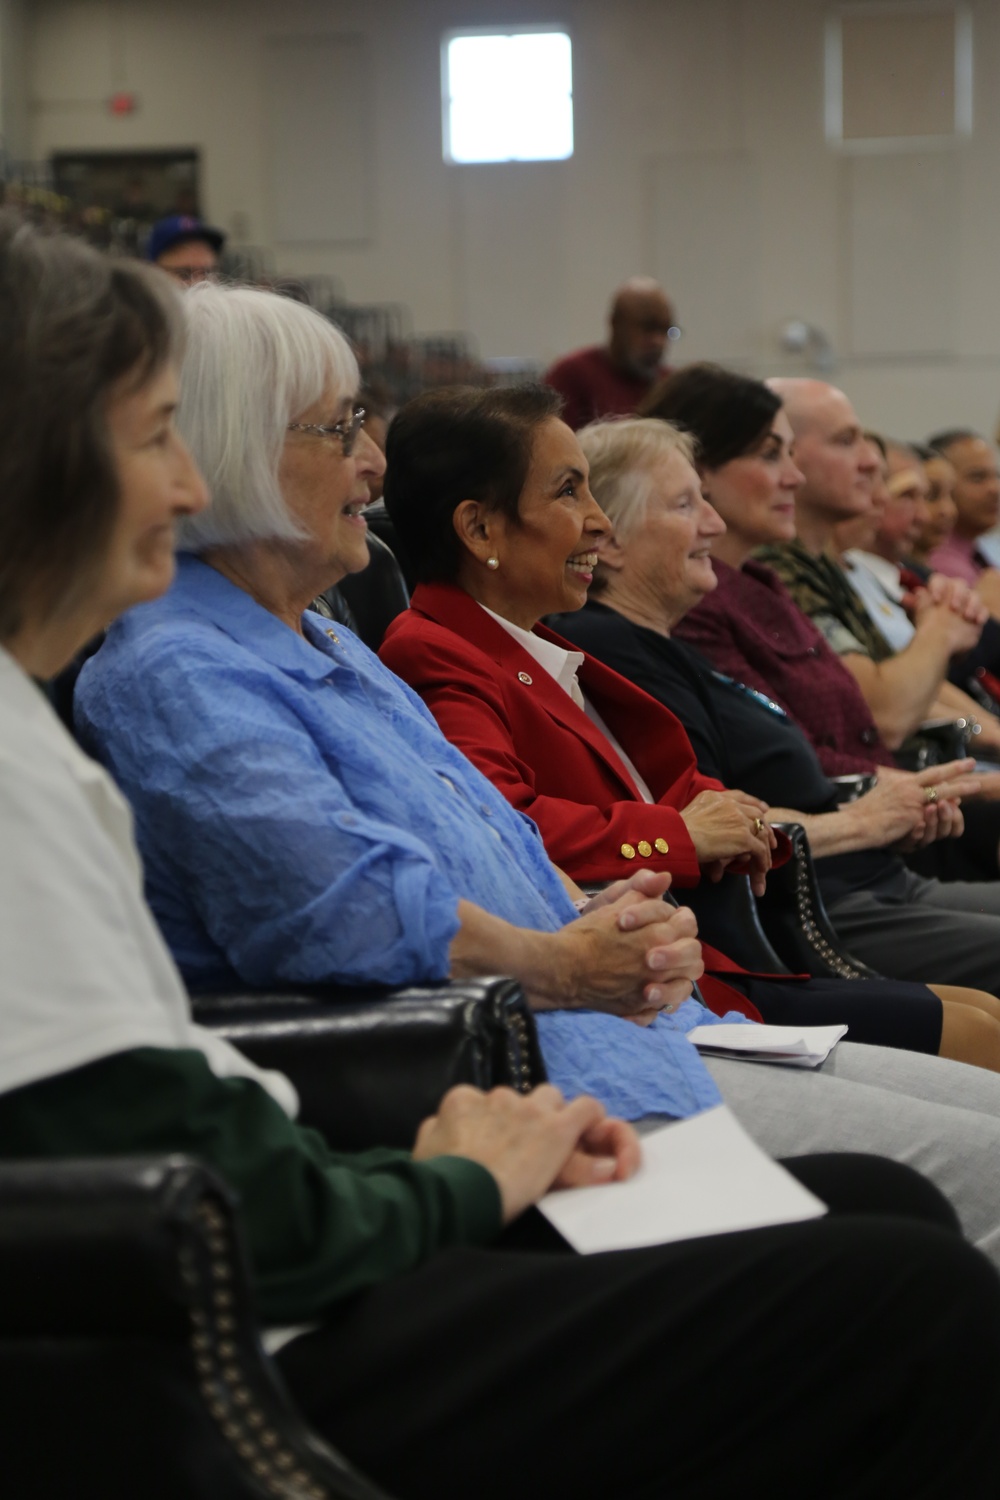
530,1142
628,953
898,808
951,607
728,829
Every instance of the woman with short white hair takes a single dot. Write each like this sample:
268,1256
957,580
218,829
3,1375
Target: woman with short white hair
245,377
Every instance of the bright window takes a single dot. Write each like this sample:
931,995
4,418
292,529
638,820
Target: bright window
508,97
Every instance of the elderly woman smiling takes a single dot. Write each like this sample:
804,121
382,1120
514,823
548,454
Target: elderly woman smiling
386,1255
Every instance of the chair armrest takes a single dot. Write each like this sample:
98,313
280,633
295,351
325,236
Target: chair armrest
729,920
370,1065
795,918
933,743
130,1364
850,788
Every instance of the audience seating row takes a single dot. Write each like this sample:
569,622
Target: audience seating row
128,1348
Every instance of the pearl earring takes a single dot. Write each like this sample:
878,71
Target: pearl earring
493,562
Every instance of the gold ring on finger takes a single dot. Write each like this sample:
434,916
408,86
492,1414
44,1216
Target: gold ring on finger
758,823
931,794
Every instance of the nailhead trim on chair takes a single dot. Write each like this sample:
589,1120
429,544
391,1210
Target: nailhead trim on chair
520,1055
221,1377
812,933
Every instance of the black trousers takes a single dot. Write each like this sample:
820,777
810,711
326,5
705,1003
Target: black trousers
880,1012
854,1356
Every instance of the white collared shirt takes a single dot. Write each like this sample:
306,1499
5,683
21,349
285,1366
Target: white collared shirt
562,666
876,582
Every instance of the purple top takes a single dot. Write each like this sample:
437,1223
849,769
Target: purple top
592,386
956,558
750,629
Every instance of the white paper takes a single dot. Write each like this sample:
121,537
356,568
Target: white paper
699,1176
795,1046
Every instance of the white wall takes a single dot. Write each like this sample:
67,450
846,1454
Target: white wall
13,79
700,157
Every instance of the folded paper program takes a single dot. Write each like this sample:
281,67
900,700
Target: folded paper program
794,1046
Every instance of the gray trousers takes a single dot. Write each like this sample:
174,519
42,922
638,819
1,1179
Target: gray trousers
941,1117
937,932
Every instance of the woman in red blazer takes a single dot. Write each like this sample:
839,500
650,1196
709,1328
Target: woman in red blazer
469,646
488,493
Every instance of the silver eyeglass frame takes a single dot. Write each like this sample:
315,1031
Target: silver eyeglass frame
346,431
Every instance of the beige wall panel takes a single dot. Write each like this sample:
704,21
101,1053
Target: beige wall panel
898,75
14,70
512,280
317,104
705,237
902,261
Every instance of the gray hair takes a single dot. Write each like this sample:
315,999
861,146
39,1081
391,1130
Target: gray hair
78,331
254,361
622,457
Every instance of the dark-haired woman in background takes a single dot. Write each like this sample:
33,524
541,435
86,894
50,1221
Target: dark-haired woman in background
936,511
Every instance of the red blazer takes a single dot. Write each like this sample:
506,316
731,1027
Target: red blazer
525,733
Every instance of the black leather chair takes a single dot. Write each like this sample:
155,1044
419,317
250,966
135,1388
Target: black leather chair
729,919
370,1065
380,523
851,787
130,1363
795,919
787,931
934,742
369,601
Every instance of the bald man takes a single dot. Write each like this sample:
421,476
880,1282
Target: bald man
840,465
611,379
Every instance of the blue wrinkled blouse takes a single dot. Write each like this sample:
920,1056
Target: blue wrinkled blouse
302,819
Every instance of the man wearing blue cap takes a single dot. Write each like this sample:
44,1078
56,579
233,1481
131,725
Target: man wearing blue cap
184,247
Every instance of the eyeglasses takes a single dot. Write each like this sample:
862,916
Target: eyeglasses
346,430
